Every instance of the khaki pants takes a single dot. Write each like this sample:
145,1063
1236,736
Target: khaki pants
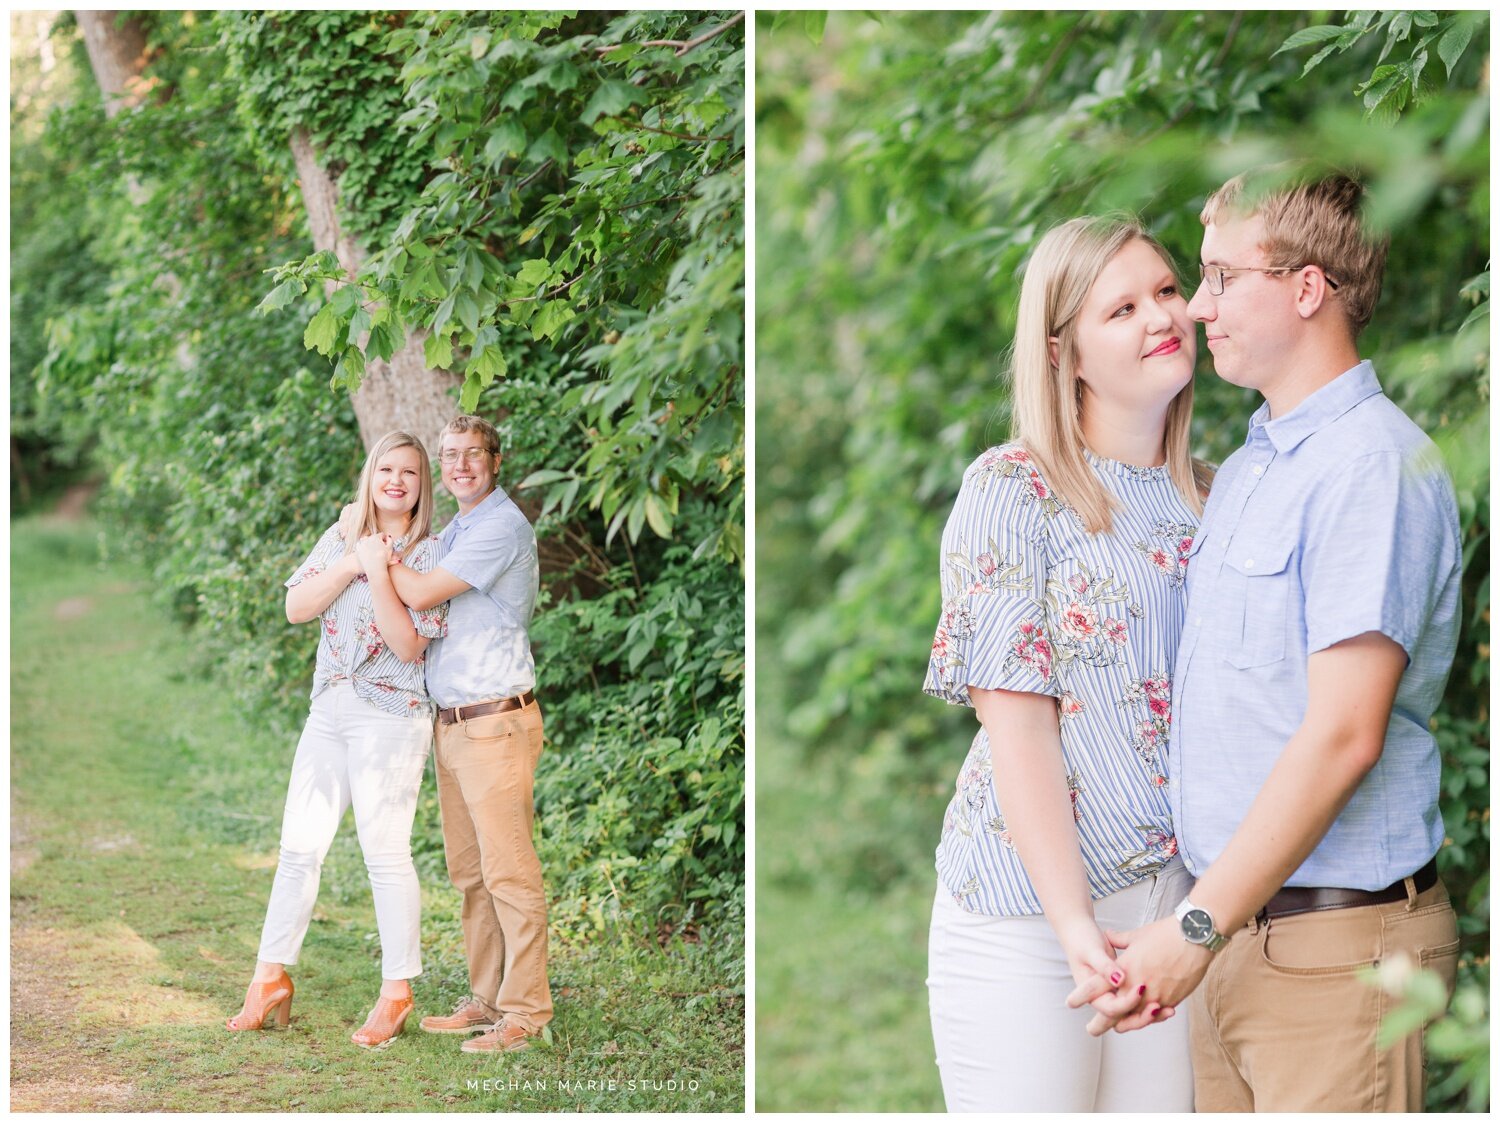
1284,1022
485,767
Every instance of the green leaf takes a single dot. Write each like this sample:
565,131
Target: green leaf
1308,36
322,330
468,397
467,309
359,323
813,25
551,318
1455,41
548,146
544,476
657,516
1319,57
279,297
534,272
437,351
488,363
507,139
610,99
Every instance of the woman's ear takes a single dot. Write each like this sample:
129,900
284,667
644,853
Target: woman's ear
1052,351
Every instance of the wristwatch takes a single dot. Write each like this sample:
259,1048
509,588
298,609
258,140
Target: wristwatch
1198,926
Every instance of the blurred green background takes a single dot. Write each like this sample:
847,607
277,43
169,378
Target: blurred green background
906,164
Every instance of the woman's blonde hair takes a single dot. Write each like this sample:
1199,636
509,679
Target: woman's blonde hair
359,520
1047,399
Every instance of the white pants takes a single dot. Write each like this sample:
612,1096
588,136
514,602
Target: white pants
1006,1040
350,752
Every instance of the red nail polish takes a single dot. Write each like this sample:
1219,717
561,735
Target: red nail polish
1156,1012
1142,990
1116,978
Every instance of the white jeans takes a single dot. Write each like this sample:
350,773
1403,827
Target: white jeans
350,752
1006,1040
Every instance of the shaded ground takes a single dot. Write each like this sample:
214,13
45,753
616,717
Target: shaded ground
145,806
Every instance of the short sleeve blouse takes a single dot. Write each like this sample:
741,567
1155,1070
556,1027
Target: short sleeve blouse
1032,602
350,646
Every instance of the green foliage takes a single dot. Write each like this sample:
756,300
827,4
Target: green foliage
588,191
1396,85
1460,1041
905,168
226,458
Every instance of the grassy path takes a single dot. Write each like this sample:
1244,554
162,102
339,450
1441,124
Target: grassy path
840,970
145,810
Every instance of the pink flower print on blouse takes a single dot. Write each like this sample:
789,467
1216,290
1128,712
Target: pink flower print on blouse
1068,706
1015,463
1080,621
1079,618
1150,700
1158,848
1032,649
967,810
1169,555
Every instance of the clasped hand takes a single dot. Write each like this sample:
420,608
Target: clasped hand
374,552
1156,970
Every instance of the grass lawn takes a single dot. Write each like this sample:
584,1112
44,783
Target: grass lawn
145,812
841,967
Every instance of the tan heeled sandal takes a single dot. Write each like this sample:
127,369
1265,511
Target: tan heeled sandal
262,1000
384,1024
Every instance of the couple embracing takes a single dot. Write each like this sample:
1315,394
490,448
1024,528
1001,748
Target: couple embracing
1204,793
421,637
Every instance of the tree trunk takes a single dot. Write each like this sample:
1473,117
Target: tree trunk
401,393
118,54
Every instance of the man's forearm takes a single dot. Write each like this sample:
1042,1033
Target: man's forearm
1351,688
415,589
1314,778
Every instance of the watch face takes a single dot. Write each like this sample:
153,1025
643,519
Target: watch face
1197,926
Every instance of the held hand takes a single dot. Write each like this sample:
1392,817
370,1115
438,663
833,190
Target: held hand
1090,958
1162,969
374,553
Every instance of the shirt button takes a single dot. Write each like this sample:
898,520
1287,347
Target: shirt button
1249,563
1257,470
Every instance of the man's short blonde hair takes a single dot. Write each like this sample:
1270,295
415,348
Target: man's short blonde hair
468,423
1314,222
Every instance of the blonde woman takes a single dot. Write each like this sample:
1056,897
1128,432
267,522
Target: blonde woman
1062,570
367,735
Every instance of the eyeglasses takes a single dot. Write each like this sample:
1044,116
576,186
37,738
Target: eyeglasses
453,456
1215,274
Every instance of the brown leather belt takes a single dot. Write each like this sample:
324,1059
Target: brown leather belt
480,709
1297,899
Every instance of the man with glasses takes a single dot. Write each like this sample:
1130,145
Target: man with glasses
489,737
1323,595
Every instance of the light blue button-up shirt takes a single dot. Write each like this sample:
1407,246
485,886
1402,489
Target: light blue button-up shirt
1333,520
487,652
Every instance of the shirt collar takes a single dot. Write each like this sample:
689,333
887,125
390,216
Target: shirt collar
489,503
1318,409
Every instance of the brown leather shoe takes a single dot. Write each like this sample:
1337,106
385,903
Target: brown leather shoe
468,1016
505,1036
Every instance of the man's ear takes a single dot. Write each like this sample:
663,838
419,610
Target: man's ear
1312,290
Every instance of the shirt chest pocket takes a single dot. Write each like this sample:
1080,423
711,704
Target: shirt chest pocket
1258,577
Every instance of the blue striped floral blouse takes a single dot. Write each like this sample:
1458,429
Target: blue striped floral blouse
1032,602
350,646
